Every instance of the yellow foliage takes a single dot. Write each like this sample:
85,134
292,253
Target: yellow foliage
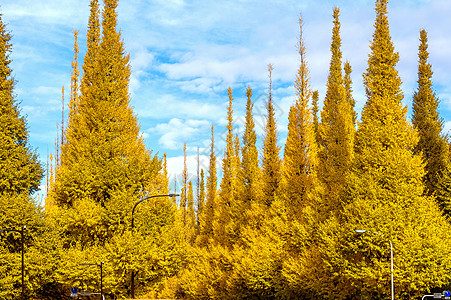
300,157
432,144
336,130
271,162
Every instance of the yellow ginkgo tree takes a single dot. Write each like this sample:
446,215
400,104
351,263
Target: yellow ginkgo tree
385,197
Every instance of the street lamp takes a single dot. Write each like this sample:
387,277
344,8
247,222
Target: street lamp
101,275
21,238
133,226
361,231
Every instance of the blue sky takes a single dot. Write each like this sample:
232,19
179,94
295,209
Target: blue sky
185,54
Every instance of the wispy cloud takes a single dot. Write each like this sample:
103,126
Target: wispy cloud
175,164
176,132
168,105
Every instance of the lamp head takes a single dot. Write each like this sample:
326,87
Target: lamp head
360,231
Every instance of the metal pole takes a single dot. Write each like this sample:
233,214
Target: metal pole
23,263
360,231
101,280
23,285
132,285
101,276
392,285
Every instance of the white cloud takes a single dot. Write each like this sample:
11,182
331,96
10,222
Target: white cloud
175,165
46,90
168,105
177,131
447,128
212,61
40,195
201,85
61,12
175,169
445,99
140,61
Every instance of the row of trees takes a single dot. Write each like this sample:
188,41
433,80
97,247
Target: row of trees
282,226
101,168
286,228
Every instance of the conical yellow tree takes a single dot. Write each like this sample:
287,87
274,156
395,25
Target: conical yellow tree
198,175
427,121
225,233
299,160
190,214
271,163
201,199
250,170
164,176
104,163
336,130
74,104
184,195
385,197
77,127
20,170
105,168
20,175
208,214
299,190
75,77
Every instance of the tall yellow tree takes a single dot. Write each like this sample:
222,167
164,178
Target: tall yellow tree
226,207
190,214
165,176
271,162
198,175
249,170
20,176
105,168
20,171
299,189
208,214
298,176
77,127
201,199
75,82
426,120
104,162
336,130
385,197
184,195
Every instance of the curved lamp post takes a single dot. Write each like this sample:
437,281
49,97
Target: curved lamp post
133,226
21,238
361,231
101,275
